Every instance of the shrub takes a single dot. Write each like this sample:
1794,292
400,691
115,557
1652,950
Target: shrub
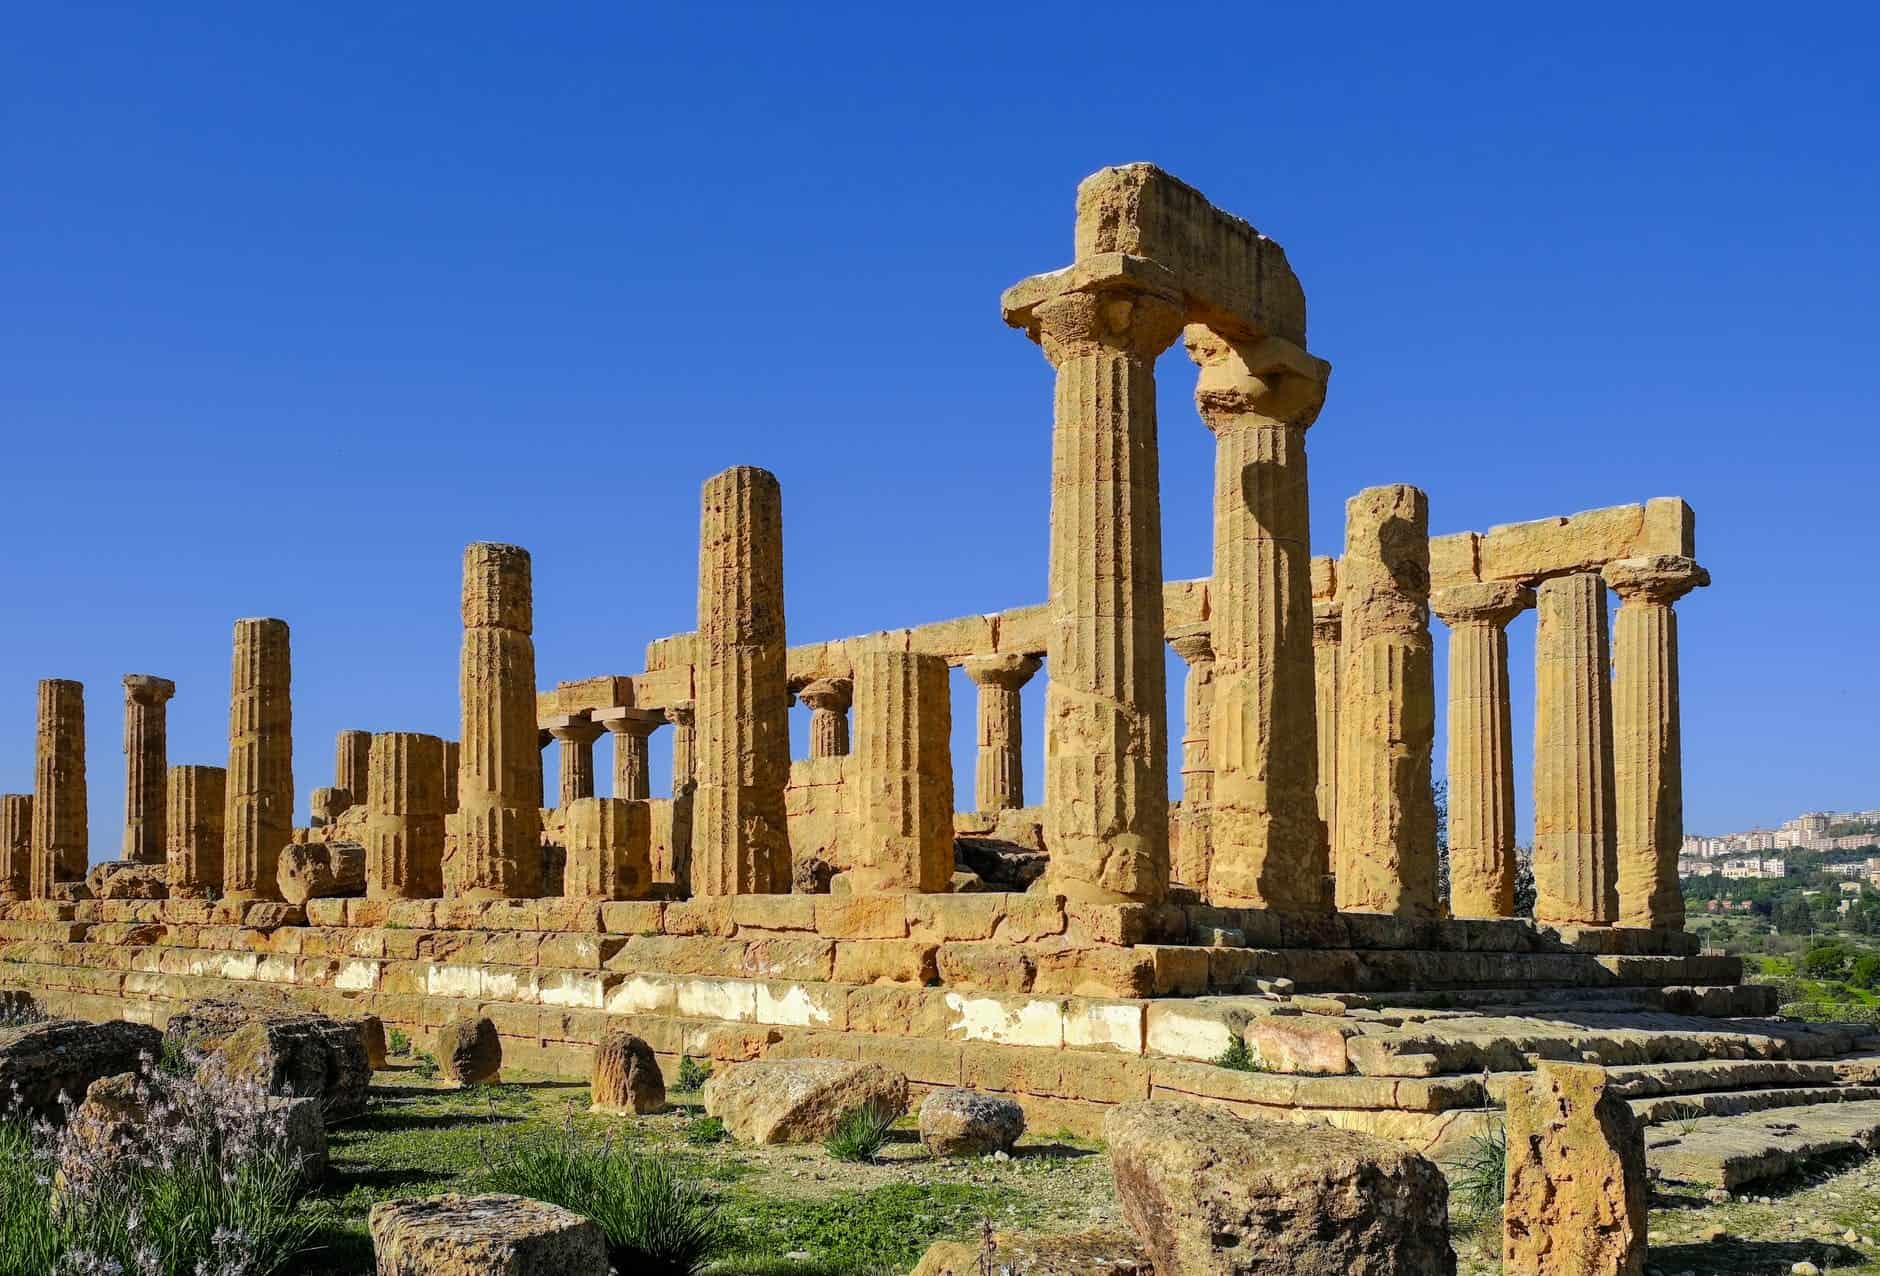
425,1069
398,1042
860,1135
1239,1058
692,1075
705,1131
1479,1173
655,1223
1865,971
1824,961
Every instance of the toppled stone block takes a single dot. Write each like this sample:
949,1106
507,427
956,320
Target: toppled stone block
1576,1177
321,870
63,1057
128,879
469,1052
484,1236
1213,1194
800,1100
626,1076
302,1057
961,1122
1098,1252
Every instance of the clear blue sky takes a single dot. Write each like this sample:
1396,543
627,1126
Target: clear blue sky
297,300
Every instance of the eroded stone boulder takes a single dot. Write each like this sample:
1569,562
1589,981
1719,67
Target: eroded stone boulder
62,1057
484,1236
1098,1252
1209,1193
800,1100
303,1057
1576,1197
127,879
960,1122
469,1052
626,1076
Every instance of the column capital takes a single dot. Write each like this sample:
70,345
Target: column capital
1010,671
833,695
1111,301
1328,621
1487,602
680,713
1266,382
147,688
1193,643
576,728
622,720
1655,578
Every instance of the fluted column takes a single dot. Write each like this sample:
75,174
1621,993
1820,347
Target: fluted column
610,849
405,816
1268,842
999,768
146,757
1327,662
352,765
16,847
499,778
684,782
902,773
631,729
61,842
576,735
193,845
739,843
1386,860
1648,751
1481,751
1193,847
1575,857
259,818
828,700
1106,701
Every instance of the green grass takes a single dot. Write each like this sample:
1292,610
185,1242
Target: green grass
1478,1174
860,1136
886,1229
705,1131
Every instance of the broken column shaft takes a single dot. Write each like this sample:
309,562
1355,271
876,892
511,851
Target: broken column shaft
499,780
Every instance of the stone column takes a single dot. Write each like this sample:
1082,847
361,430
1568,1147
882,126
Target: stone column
1648,753
739,843
16,847
828,700
903,773
1575,860
453,760
146,756
1269,848
352,765
684,747
405,817
1193,849
1106,702
1327,660
630,729
1481,752
576,734
1387,708
193,845
61,846
259,807
999,770
499,784
610,849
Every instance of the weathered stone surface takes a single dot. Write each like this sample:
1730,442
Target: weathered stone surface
626,1076
1300,1043
128,879
1328,629
352,752
113,1122
499,788
372,1033
1575,856
828,701
1576,1196
1189,856
574,736
469,1051
1098,1252
999,769
1207,1191
62,1057
484,1236
194,837
259,814
145,759
959,1122
16,847
303,1057
60,847
902,770
321,870
404,835
610,849
800,1100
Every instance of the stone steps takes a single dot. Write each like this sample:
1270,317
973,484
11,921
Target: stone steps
1673,1108
1731,1151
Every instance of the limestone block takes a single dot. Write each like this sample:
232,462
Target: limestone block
1576,1199
321,870
128,879
304,1056
960,1122
404,833
58,1059
1097,1252
626,1077
1562,545
1301,1043
484,1236
469,1051
800,1100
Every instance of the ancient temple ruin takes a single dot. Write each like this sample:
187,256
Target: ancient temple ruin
1093,947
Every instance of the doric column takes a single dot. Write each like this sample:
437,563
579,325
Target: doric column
828,700
405,816
999,769
1268,842
1193,847
1386,859
499,781
16,847
146,756
352,765
630,729
576,734
1481,752
1327,663
684,747
903,773
1648,753
739,844
259,815
610,849
453,761
1106,701
61,844
1575,861
194,842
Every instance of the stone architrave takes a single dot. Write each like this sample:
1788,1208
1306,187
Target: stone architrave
259,815
999,769
739,842
1386,859
499,782
1481,748
194,844
902,773
146,757
352,765
1575,855
1576,1180
610,849
61,843
828,700
631,729
1192,848
1327,662
1102,324
575,734
1648,761
1268,842
16,847
405,817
